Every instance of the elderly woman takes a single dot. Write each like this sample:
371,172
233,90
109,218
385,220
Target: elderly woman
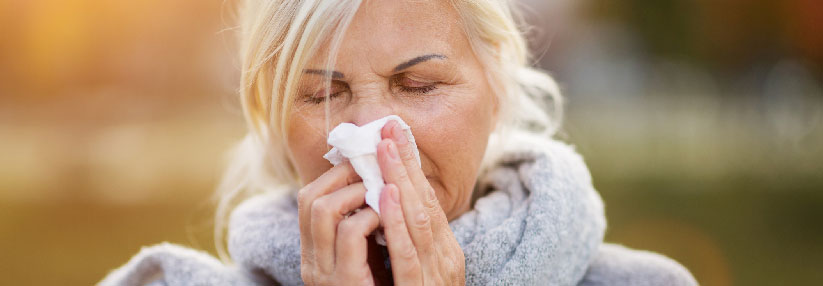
477,193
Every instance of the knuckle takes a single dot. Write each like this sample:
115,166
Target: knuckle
408,253
306,258
395,219
406,153
321,208
433,209
437,216
402,175
303,197
421,221
430,197
346,227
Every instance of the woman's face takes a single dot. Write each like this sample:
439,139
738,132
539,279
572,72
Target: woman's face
412,59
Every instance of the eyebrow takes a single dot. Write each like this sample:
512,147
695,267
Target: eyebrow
400,67
334,74
418,60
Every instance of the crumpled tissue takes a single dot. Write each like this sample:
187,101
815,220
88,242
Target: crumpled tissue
358,144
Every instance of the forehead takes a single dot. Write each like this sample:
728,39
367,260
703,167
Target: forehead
385,33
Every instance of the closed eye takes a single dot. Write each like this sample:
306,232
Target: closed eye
406,84
336,89
417,90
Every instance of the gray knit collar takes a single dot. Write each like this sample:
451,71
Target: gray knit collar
539,222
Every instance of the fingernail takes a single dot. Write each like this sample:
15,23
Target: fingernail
398,135
395,197
393,151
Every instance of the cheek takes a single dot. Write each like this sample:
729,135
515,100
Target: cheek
461,129
453,137
307,144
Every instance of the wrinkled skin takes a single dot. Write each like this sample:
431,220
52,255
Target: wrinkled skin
412,59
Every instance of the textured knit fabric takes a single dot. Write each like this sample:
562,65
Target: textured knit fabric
539,222
616,265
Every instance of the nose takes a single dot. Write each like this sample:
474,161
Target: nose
363,112
369,105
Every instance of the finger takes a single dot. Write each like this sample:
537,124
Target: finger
351,247
393,131
333,179
417,215
406,268
326,212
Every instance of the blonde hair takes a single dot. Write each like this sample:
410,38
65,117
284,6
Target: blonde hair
277,38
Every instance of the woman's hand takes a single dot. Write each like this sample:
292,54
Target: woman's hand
422,247
333,246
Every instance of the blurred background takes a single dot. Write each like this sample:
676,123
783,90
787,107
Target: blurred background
701,122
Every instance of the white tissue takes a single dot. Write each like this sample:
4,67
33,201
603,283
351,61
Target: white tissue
359,146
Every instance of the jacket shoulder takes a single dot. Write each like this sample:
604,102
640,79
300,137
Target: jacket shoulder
170,264
617,265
